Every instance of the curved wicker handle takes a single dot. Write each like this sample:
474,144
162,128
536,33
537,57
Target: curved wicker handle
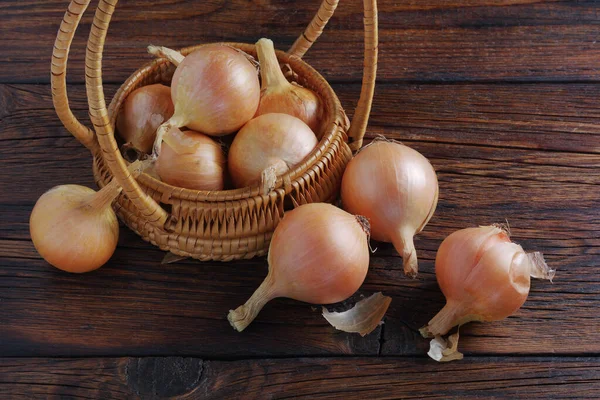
58,79
147,206
104,138
312,32
314,29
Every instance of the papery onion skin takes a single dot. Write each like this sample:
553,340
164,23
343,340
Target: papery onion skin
191,160
73,228
280,96
396,188
270,140
215,90
319,254
483,275
143,111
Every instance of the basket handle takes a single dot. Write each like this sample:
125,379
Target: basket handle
314,29
312,32
146,205
58,78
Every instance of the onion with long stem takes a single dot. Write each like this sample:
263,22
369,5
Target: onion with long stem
319,254
396,188
280,96
484,277
215,90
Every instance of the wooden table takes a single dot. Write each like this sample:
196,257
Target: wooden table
501,95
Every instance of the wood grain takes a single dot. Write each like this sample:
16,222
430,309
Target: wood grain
304,378
500,95
459,40
492,165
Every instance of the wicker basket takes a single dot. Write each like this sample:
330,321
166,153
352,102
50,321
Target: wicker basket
211,225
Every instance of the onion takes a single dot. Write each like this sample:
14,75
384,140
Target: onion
280,96
144,110
484,277
74,227
191,160
319,254
215,90
396,188
279,141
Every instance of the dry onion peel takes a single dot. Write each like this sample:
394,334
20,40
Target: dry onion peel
268,179
363,318
396,188
445,350
318,254
173,56
171,258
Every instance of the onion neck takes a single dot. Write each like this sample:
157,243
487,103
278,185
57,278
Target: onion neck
173,122
454,313
103,198
270,72
403,242
444,320
242,316
173,56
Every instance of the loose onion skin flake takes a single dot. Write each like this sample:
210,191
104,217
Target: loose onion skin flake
396,189
484,277
276,141
319,254
191,160
363,318
215,90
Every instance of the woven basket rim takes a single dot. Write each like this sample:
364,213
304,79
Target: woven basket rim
334,122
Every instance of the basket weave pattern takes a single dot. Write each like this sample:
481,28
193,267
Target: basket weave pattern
212,225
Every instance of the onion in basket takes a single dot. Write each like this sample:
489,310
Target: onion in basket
191,160
144,110
215,90
274,143
280,96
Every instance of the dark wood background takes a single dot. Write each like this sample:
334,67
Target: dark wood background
501,95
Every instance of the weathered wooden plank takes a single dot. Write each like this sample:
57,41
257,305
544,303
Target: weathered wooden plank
559,117
136,306
424,41
317,378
